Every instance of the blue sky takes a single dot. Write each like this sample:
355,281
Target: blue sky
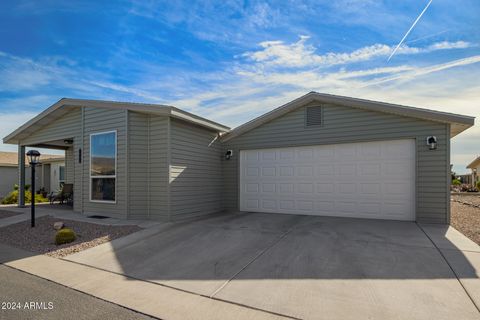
231,61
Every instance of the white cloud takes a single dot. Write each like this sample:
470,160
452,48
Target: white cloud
301,54
11,121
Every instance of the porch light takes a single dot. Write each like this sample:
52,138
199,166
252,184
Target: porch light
432,142
33,157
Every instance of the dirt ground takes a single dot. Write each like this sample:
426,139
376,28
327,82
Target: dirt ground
41,239
466,217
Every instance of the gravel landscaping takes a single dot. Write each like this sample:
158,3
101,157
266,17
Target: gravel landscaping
41,238
466,217
7,214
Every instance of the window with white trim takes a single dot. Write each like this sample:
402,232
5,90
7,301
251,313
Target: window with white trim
103,166
61,175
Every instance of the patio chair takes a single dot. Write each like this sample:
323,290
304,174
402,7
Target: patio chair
65,195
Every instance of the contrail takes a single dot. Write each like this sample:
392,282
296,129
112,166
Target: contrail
408,32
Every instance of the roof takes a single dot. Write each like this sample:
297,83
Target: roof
62,106
474,164
458,122
10,159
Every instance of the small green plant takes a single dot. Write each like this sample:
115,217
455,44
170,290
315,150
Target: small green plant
456,182
15,187
65,235
12,197
478,184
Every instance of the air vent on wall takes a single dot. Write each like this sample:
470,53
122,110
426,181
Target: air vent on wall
313,116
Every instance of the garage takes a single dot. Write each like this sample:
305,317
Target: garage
328,155
363,180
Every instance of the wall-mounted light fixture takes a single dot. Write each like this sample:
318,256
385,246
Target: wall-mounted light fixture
68,141
432,142
228,154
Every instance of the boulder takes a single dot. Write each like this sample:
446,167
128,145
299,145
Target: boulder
58,225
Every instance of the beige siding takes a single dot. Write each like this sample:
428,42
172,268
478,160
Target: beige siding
341,125
158,169
195,171
98,120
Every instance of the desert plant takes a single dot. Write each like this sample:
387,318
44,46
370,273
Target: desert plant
15,187
456,182
65,235
12,197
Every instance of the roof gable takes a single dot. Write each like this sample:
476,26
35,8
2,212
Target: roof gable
474,164
458,123
62,106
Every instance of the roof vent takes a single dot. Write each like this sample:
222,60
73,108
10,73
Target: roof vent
313,116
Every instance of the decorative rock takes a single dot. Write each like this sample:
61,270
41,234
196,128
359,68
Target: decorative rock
58,225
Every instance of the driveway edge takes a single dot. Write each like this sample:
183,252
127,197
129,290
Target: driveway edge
144,297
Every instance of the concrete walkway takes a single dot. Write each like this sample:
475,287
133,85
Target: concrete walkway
265,266
65,212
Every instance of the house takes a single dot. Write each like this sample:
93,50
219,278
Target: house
45,178
317,155
474,166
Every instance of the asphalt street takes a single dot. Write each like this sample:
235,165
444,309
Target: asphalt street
24,296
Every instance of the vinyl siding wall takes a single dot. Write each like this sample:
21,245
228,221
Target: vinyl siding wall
158,168
138,161
68,126
346,125
97,120
8,178
195,171
147,166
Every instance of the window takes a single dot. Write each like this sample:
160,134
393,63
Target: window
103,166
61,175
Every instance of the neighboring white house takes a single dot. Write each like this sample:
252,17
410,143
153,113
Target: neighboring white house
474,166
49,175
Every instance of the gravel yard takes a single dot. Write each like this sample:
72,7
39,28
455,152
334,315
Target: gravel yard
41,239
466,217
7,214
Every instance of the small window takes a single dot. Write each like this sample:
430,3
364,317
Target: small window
313,116
103,163
61,175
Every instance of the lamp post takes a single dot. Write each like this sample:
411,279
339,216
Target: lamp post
33,156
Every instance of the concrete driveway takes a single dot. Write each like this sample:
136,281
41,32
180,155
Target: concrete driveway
306,267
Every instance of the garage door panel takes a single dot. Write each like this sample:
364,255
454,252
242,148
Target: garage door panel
368,180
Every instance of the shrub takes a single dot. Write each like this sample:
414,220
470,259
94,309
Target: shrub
15,187
456,182
64,235
478,184
12,197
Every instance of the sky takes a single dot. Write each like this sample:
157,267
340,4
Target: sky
231,61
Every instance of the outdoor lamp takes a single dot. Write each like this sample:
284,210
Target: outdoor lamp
33,157
432,142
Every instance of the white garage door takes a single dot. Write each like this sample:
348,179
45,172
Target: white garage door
363,180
